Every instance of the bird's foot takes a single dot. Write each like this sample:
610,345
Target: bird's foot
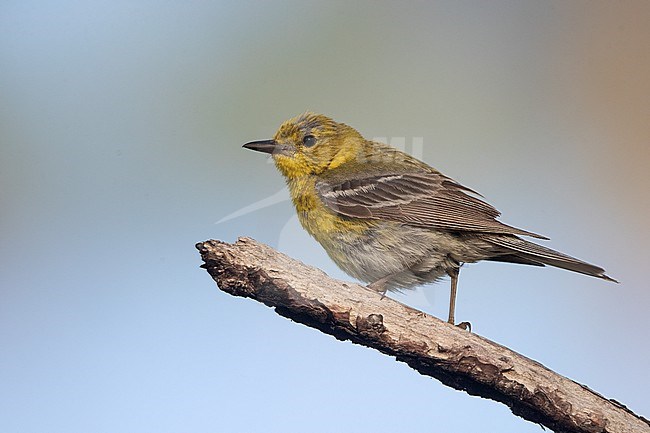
379,287
462,325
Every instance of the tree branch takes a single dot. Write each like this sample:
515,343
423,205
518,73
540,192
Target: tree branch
457,358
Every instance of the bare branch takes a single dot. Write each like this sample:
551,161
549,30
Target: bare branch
457,358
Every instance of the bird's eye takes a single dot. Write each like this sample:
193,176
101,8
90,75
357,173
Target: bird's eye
309,140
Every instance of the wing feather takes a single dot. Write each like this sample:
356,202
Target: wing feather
425,199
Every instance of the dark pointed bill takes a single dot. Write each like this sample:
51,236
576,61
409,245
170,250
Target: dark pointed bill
266,146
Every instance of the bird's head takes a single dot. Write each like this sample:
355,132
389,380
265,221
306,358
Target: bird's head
310,144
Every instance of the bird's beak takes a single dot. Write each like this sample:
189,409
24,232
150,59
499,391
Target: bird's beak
266,146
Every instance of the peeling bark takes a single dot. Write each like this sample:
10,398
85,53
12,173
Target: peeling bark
457,358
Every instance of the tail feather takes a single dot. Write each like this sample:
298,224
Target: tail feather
522,251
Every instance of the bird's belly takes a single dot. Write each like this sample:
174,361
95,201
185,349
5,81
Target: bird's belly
370,250
379,249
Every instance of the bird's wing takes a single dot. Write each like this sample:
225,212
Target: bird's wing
423,199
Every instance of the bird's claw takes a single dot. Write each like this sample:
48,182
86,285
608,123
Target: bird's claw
379,288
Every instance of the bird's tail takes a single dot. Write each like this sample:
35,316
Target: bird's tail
518,250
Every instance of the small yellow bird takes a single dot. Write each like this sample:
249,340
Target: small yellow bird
389,219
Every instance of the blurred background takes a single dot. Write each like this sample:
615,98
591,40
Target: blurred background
121,127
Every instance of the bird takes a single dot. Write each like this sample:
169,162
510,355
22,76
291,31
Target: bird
389,219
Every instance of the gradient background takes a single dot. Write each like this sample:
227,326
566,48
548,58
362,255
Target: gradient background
121,127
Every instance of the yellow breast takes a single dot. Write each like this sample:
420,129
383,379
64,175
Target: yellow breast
319,221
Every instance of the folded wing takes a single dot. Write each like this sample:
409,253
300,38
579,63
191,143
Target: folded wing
423,199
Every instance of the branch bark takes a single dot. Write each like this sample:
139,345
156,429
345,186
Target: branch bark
457,358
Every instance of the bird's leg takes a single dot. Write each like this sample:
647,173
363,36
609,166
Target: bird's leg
453,273
380,285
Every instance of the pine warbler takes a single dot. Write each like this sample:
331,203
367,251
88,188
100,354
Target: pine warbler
389,219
